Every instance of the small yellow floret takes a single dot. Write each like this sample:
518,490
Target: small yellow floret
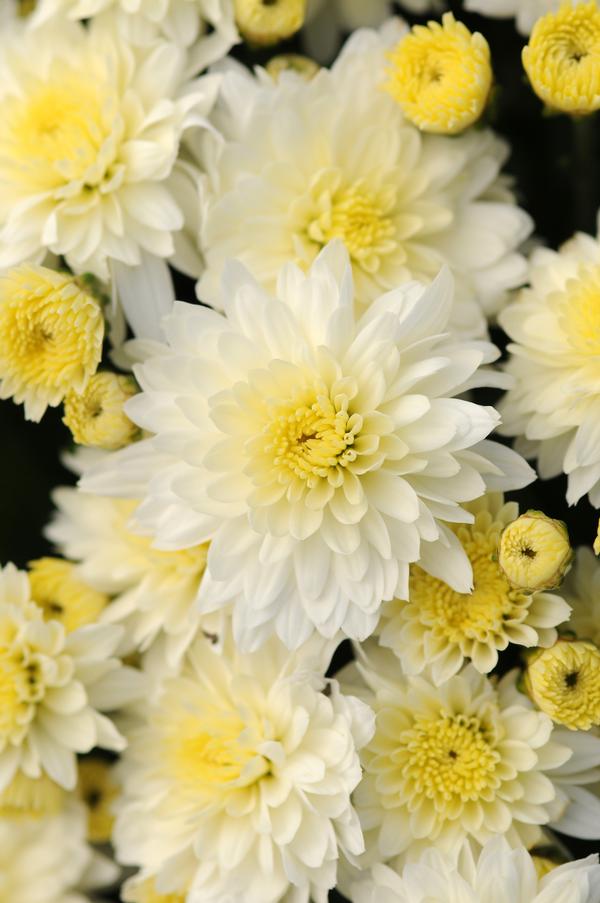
562,58
266,22
535,552
98,790
597,541
441,76
31,797
51,333
292,62
62,596
96,416
147,893
543,865
564,682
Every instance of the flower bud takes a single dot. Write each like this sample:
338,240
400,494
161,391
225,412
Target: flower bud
266,22
535,552
57,589
292,62
564,682
96,416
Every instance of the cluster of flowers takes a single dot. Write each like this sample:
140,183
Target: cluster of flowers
297,459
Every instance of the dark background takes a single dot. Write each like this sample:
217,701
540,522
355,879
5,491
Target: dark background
554,164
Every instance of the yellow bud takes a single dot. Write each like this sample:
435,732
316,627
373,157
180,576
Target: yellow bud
266,22
292,62
31,797
56,588
98,790
535,552
96,416
562,59
564,682
543,865
145,892
597,541
441,76
51,333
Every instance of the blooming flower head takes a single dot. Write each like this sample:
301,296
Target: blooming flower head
439,627
96,416
51,333
319,440
468,759
534,551
582,590
237,785
564,682
89,136
562,58
62,596
404,203
53,687
154,591
554,406
495,875
267,23
441,76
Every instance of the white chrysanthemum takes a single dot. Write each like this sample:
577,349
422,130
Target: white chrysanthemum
91,130
439,627
320,453
206,28
526,12
469,759
554,407
581,589
303,162
237,786
497,875
53,687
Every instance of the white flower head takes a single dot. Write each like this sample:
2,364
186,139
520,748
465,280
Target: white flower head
237,786
466,761
318,451
53,688
496,875
554,406
303,162
439,628
154,592
91,130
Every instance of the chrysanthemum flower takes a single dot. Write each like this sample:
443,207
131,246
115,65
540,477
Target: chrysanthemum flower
155,592
469,759
301,163
319,452
562,59
96,416
582,590
267,23
554,407
62,596
439,627
53,687
98,790
441,76
238,784
90,135
496,875
526,12
535,552
51,333
564,682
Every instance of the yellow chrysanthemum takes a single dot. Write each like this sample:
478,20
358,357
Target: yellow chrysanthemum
96,416
535,552
266,22
31,797
62,596
51,333
564,682
294,62
562,58
98,791
597,541
145,892
441,76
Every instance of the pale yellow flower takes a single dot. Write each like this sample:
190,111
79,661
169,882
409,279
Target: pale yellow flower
51,333
98,790
267,23
562,58
31,797
441,76
96,416
564,682
62,596
535,552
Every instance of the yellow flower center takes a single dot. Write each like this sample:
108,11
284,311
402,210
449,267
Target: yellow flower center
441,76
564,682
56,129
447,759
356,215
147,893
562,58
312,439
62,596
580,312
31,797
20,689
